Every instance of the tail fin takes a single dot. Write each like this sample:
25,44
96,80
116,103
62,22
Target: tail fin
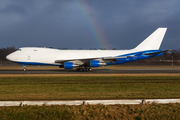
152,42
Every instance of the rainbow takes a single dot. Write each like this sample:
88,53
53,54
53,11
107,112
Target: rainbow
99,38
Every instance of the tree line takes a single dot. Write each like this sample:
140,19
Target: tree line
171,55
6,51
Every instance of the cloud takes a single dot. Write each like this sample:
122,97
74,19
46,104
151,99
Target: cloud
76,23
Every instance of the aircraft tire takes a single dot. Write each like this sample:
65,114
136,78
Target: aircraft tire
83,69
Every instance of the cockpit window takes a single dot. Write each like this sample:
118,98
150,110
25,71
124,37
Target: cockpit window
19,50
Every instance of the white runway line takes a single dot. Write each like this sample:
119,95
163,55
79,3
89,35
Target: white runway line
163,101
112,102
10,103
89,102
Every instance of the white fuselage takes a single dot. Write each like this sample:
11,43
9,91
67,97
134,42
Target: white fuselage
49,56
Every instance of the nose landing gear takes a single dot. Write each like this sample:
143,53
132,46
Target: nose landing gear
24,67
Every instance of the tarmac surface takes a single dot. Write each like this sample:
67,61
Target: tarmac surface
94,71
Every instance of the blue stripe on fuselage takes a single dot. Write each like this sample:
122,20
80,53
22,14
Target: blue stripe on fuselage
135,56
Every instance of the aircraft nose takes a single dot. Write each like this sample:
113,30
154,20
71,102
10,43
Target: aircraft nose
9,57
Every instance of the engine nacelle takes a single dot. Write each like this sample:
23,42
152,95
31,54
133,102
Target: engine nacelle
94,63
68,65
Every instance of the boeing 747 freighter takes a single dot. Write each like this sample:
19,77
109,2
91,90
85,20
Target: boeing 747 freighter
85,60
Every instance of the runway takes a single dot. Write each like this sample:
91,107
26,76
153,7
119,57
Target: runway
94,71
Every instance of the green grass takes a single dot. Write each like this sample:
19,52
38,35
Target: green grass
89,87
93,112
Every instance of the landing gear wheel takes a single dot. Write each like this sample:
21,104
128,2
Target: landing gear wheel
83,69
24,69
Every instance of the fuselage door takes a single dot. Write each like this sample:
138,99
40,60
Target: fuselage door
29,57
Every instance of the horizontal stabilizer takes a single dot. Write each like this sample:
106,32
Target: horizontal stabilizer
156,52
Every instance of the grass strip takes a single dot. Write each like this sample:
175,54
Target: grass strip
89,87
93,112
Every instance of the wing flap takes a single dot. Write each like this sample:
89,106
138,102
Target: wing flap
81,59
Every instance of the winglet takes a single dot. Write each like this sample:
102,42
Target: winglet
153,42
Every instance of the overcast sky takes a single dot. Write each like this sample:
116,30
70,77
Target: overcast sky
74,24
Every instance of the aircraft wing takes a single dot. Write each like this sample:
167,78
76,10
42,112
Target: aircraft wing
111,59
88,59
62,61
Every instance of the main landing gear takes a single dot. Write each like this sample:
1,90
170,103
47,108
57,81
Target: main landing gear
83,69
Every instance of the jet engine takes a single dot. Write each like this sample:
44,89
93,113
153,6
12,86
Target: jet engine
69,65
96,63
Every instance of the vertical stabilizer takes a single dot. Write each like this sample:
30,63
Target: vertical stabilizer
153,42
